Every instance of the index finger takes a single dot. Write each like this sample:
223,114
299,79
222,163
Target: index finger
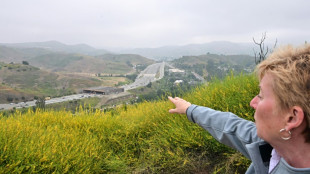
171,99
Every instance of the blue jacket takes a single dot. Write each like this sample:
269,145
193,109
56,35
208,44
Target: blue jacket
241,135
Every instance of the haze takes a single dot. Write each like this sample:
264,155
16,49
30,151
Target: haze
153,23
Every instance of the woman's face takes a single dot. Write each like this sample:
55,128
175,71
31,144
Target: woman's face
267,118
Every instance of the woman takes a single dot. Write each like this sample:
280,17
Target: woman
279,140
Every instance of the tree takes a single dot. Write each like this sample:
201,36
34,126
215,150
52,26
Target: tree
25,62
129,63
149,85
131,77
9,99
263,51
40,103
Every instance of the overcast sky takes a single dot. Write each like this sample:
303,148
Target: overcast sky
153,23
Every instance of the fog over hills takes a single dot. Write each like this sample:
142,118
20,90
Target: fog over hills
174,52
160,53
57,57
56,46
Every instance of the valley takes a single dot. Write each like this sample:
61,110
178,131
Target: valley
150,74
59,73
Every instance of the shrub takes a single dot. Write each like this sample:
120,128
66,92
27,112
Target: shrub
9,99
25,62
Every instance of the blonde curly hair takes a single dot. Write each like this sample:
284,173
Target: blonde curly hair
290,68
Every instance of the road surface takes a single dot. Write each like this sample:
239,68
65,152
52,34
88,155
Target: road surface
149,74
51,101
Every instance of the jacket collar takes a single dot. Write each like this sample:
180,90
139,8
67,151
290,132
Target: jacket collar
260,153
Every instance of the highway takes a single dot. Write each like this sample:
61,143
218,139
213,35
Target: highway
51,101
149,74
198,76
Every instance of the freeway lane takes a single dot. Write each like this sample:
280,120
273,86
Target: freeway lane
51,101
149,74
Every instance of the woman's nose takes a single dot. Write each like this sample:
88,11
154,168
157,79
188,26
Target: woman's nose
253,102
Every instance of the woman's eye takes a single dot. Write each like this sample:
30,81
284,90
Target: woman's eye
259,96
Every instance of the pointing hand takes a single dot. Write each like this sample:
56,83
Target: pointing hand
181,105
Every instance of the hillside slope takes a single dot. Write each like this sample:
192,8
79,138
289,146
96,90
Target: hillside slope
213,65
20,82
11,54
140,138
106,64
127,58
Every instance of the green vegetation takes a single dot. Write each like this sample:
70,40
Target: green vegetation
139,138
25,62
86,103
213,65
71,106
130,59
167,86
56,60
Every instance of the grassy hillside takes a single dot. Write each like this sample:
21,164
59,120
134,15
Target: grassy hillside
20,82
55,61
107,64
243,60
127,58
17,55
213,65
142,138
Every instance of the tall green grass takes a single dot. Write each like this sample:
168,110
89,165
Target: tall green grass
141,138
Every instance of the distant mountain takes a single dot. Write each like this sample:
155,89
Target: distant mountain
160,53
174,52
72,62
60,47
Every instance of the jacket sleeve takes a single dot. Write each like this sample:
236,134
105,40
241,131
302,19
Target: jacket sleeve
226,127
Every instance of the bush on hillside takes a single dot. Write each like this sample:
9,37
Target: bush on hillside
25,62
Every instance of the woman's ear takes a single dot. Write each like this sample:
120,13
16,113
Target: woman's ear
294,118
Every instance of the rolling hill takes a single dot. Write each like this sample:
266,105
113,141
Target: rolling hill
20,82
243,60
128,58
213,65
72,62
12,54
106,64
55,46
